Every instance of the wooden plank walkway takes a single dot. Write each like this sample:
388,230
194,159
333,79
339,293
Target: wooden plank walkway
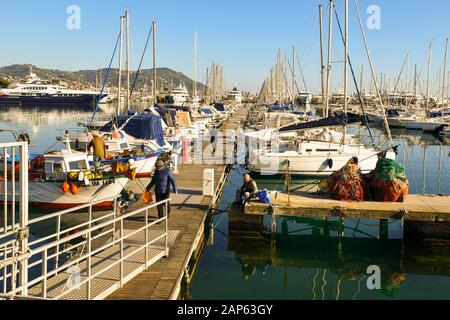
162,281
415,208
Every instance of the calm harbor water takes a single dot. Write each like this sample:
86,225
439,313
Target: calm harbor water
307,261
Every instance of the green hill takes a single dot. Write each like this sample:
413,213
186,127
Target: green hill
164,75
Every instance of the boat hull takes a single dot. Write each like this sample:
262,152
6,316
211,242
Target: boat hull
83,102
313,165
48,195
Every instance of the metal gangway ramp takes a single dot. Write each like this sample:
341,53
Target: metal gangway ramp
76,254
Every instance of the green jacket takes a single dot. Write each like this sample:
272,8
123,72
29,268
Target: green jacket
99,147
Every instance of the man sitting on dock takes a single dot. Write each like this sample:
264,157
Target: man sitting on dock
162,180
99,149
248,189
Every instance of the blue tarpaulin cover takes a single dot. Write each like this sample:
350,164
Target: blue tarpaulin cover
219,107
341,120
144,126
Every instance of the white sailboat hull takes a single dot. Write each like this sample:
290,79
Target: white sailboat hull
314,164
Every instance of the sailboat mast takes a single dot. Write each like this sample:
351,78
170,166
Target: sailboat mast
127,17
372,70
322,67
428,76
345,64
407,83
154,61
119,91
330,44
293,73
444,73
415,81
195,66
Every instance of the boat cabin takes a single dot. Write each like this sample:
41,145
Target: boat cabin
58,164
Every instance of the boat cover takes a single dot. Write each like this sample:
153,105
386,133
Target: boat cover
184,118
219,107
341,120
144,126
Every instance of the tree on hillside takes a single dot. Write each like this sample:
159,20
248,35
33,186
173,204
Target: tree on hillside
4,83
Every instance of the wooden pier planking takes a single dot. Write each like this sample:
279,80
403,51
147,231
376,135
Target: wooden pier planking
162,281
415,208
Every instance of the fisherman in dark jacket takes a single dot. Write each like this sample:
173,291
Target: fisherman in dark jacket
249,188
162,180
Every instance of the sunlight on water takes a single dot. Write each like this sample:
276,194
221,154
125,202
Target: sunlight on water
307,261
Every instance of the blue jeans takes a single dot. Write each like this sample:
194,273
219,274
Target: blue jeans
97,162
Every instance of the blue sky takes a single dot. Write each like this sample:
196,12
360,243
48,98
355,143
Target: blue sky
243,36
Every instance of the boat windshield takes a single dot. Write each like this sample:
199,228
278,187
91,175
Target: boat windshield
207,111
77,165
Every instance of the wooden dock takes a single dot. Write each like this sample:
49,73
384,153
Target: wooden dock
163,280
415,208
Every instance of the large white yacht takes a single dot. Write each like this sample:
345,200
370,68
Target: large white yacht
235,94
180,94
36,92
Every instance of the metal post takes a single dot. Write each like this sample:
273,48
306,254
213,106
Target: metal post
5,188
23,209
121,253
89,264
58,236
44,273
440,168
13,188
423,169
167,228
146,238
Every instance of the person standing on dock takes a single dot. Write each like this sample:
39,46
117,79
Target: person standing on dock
99,149
162,180
248,189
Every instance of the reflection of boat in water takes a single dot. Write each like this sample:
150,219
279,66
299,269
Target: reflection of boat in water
37,117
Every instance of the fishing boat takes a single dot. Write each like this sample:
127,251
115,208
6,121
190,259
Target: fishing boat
64,179
137,140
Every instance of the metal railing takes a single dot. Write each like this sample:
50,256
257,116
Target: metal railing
85,259
14,218
94,242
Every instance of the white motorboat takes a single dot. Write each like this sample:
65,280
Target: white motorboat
314,158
